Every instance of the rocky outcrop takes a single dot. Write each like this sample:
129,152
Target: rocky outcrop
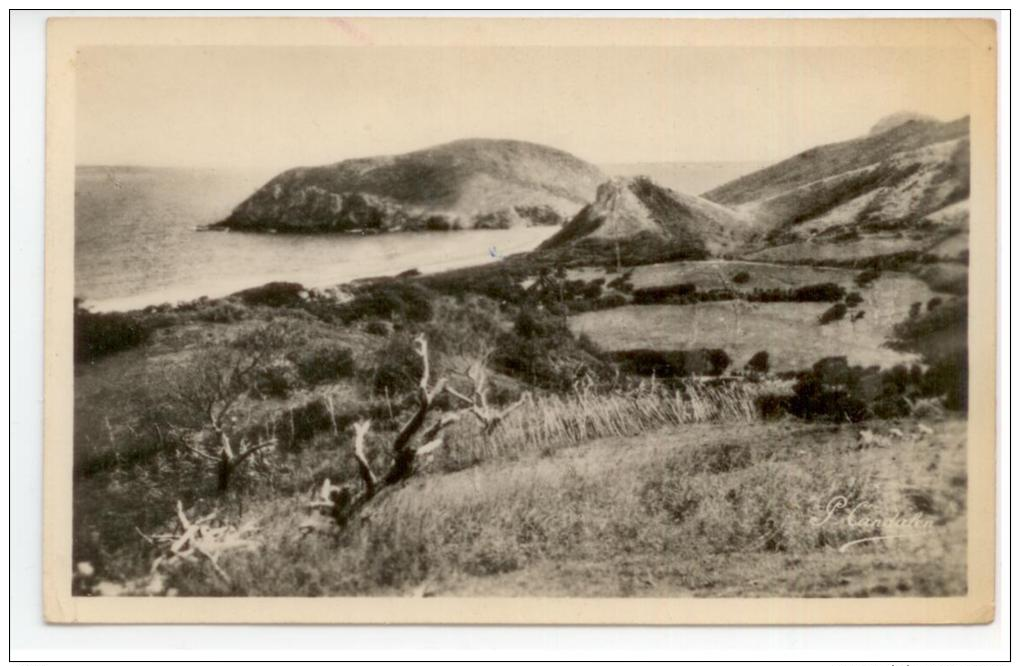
475,183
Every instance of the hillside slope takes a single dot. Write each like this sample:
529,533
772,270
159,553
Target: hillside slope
899,191
472,183
643,221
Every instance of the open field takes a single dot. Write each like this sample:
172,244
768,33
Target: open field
719,274
844,253
789,332
702,510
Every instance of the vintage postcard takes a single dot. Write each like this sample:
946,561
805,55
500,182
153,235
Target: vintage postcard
559,321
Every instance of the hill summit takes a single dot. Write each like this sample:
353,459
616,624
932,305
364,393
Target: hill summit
466,184
644,221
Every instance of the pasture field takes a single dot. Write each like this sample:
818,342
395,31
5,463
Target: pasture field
720,274
789,332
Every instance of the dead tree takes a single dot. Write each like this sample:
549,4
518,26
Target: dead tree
227,460
210,388
478,403
340,502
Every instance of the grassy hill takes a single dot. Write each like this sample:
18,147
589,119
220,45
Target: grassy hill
471,183
640,221
836,158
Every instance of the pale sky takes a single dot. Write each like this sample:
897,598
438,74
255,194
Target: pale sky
275,108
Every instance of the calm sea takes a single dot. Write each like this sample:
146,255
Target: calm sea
136,244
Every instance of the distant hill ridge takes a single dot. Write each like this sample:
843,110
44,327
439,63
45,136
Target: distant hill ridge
471,183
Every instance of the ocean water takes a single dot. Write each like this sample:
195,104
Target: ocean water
136,243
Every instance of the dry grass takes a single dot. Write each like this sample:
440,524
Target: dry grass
699,510
554,421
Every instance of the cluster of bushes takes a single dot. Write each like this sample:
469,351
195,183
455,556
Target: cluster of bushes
833,390
273,294
393,300
687,293
323,362
541,351
97,334
825,292
668,364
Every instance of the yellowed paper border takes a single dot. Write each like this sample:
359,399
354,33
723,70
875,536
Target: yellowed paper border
977,38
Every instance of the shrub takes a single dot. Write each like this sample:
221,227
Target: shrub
99,334
759,362
323,362
853,299
948,377
378,327
743,277
397,367
712,362
813,399
273,294
612,301
392,300
934,303
275,380
651,295
835,313
826,292
771,405
866,277
915,310
223,312
540,350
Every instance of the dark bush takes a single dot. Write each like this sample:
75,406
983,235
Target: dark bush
743,277
867,276
377,327
99,334
759,362
533,324
665,364
323,362
947,377
771,406
622,283
223,312
853,299
934,303
275,381
392,299
915,310
273,294
814,400
835,313
826,292
652,295
612,301
541,351
397,367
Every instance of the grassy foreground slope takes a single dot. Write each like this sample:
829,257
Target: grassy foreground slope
692,511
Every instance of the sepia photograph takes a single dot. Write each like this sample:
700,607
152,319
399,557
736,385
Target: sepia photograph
441,311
